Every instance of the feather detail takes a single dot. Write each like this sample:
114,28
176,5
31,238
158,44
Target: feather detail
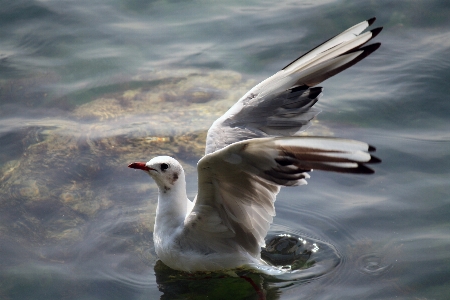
241,181
282,105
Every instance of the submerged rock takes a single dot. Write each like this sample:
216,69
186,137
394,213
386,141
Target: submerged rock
73,168
70,170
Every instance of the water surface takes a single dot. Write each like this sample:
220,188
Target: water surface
89,86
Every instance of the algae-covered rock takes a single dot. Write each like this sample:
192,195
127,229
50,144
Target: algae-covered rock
73,168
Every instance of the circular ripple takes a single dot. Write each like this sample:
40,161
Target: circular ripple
298,255
373,265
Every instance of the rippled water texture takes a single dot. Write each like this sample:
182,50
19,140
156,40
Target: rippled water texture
87,87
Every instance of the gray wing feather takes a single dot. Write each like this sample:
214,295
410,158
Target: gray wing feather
286,114
238,184
253,149
282,105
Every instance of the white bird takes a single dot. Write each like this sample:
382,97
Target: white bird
251,151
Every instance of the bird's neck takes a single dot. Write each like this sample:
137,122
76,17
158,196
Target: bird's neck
172,208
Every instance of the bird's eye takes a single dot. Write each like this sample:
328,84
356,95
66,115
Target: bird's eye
164,166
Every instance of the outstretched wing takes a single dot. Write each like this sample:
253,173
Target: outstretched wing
282,105
238,185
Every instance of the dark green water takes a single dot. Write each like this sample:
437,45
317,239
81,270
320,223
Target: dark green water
75,223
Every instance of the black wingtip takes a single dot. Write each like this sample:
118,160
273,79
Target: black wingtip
314,92
362,169
371,21
376,31
371,48
299,88
367,50
374,160
372,148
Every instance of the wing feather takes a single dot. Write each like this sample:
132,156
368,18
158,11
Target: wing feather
238,184
253,149
282,105
338,39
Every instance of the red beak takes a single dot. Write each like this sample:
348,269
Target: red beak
140,166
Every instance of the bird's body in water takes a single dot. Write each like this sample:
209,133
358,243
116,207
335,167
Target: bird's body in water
251,151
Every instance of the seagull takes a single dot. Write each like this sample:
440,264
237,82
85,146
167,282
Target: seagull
252,151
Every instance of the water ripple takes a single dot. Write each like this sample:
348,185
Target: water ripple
372,264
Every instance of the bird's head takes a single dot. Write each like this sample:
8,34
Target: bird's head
165,170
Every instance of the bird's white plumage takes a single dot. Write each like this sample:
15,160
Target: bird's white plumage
251,151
